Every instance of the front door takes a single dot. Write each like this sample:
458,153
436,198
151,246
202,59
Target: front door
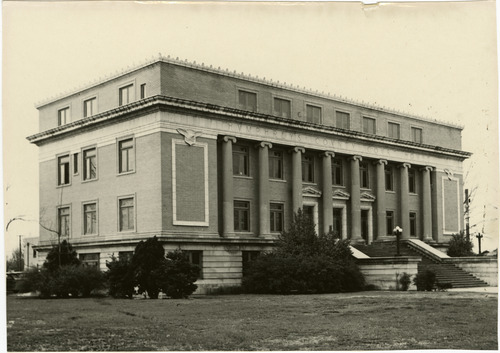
364,225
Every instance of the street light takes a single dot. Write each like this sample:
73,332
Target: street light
397,232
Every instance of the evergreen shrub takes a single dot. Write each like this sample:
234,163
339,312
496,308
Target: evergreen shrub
425,281
459,245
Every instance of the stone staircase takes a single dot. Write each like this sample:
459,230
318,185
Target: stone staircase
445,272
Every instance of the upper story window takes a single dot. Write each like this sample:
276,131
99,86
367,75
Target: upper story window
282,107
275,165
412,185
343,120
308,169
143,91
89,107
413,224
63,170
63,218
126,216
364,176
389,221
89,164
389,178
369,126
125,94
393,130
416,134
63,116
241,216
247,100
313,114
276,217
240,161
126,156
75,163
90,218
337,172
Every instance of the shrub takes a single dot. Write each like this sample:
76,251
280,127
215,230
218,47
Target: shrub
180,275
120,276
459,245
425,281
65,253
404,281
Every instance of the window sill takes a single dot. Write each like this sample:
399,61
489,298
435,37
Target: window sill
390,191
278,180
309,183
126,173
63,185
242,176
89,180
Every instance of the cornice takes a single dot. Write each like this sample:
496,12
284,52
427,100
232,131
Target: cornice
160,102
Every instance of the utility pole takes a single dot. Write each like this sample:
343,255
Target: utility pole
20,259
479,236
467,201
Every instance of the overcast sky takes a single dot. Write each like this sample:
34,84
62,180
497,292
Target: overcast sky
433,59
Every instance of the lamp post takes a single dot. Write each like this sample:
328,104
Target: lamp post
397,232
479,236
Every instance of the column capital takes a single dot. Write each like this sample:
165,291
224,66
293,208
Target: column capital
264,144
427,168
356,158
381,161
297,149
328,154
404,165
229,138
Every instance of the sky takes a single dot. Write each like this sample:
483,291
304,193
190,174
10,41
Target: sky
438,60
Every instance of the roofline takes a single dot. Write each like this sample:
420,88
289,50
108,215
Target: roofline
242,76
177,103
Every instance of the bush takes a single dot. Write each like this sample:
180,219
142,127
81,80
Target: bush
120,276
459,245
404,281
65,253
180,275
425,281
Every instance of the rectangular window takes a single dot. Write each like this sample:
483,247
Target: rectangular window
369,126
90,218
308,212
308,169
242,216
125,94
247,257
277,220
416,135
126,156
126,255
343,120
63,116
282,108
89,107
63,215
195,257
126,214
389,178
34,253
389,221
337,172
247,100
275,165
63,170
89,164
412,185
364,177
313,114
143,91
89,260
240,161
337,222
393,130
75,163
413,224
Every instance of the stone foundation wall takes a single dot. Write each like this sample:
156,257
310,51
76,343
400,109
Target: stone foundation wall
485,268
384,272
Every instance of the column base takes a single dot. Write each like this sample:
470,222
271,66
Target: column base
385,238
358,241
228,235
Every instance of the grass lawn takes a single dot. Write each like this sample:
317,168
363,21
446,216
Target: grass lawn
356,321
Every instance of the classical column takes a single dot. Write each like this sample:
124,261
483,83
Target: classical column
264,187
426,203
380,197
355,200
404,211
297,178
327,191
227,186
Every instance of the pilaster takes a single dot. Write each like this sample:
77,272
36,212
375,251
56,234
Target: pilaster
404,214
355,200
264,187
227,186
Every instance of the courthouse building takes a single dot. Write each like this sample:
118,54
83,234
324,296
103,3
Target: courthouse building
216,163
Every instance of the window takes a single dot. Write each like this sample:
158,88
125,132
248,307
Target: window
63,170
282,108
63,221
393,130
240,161
143,91
247,100
125,94
89,107
337,222
195,257
90,260
90,218
308,212
247,257
89,164
75,163
126,157
413,224
241,216
34,253
389,178
389,221
313,114
416,135
369,125
308,169
277,220
275,165
126,255
126,214
412,185
364,176
337,172
63,116
342,120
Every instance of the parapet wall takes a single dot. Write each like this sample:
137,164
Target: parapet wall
485,268
384,272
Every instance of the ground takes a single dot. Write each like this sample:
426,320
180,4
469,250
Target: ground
355,321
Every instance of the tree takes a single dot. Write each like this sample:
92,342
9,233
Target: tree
180,275
459,245
16,262
148,264
120,277
61,255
